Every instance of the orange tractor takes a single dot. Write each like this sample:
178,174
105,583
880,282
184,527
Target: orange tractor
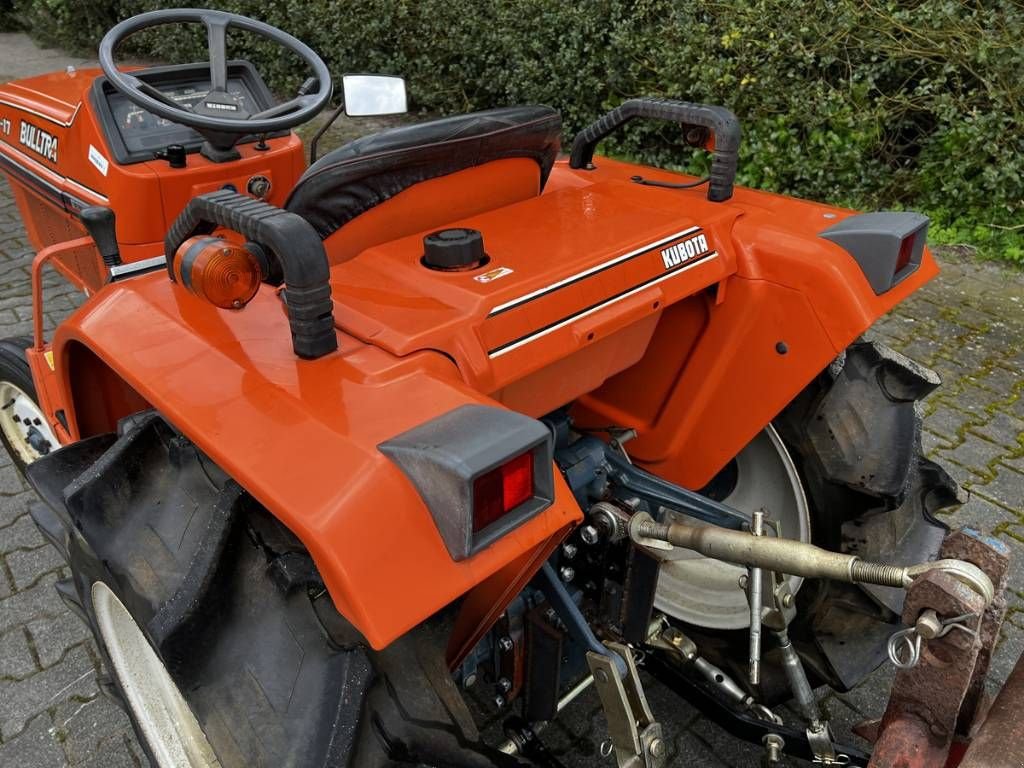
385,460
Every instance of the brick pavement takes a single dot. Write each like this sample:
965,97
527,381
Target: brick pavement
968,325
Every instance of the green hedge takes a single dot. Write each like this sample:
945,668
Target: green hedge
865,103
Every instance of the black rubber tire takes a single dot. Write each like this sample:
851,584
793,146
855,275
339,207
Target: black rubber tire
855,435
14,368
235,609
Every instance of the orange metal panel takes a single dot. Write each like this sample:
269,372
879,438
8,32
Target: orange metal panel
302,437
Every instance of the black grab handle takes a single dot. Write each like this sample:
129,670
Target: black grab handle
294,243
722,124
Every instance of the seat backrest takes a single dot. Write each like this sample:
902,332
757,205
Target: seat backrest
435,172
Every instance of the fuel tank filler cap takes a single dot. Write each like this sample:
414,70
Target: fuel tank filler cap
454,250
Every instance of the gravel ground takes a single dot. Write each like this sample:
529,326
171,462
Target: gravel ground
968,325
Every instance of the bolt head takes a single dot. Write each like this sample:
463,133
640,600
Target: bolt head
504,684
569,550
657,748
787,600
506,644
567,573
469,681
499,701
744,580
589,535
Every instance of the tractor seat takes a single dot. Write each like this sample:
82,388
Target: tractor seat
521,143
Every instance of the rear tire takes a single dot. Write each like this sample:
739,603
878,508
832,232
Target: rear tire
856,435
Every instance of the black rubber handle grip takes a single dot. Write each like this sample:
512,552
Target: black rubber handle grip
722,124
100,223
296,246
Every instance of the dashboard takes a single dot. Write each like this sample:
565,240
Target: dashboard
134,135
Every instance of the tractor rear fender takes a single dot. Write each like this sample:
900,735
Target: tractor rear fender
721,366
300,436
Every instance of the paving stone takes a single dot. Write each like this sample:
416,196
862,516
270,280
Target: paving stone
734,753
6,583
15,656
10,481
55,636
21,700
1007,489
1003,428
28,565
981,514
932,443
21,534
91,729
38,601
34,748
871,697
1000,380
974,453
126,754
949,422
1008,651
1016,407
13,507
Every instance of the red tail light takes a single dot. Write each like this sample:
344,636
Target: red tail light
501,490
906,251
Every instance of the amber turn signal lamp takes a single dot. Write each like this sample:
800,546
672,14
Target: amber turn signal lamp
223,273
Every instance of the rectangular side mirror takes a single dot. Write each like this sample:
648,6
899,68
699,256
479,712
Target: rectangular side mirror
368,95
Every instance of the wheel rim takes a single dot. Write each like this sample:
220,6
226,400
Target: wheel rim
170,730
24,424
706,592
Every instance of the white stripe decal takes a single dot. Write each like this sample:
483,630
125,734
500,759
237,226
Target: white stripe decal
46,117
56,178
580,275
570,320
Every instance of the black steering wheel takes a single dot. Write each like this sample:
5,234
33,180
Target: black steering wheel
219,117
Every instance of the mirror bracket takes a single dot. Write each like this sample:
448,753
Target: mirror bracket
394,101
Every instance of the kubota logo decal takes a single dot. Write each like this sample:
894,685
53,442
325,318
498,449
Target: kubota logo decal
39,141
687,250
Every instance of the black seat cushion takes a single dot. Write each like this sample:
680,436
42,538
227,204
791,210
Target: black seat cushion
354,178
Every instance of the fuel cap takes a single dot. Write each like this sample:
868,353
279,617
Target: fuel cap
454,249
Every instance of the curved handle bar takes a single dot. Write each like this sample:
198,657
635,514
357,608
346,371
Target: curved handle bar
296,246
722,124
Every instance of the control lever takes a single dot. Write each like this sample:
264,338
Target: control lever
99,222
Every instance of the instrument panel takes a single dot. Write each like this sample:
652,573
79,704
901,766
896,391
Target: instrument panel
141,130
135,134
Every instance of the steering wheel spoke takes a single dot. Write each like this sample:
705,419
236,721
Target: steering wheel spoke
286,107
155,93
217,42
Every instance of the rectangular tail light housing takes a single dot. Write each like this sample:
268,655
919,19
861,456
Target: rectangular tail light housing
482,472
887,246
